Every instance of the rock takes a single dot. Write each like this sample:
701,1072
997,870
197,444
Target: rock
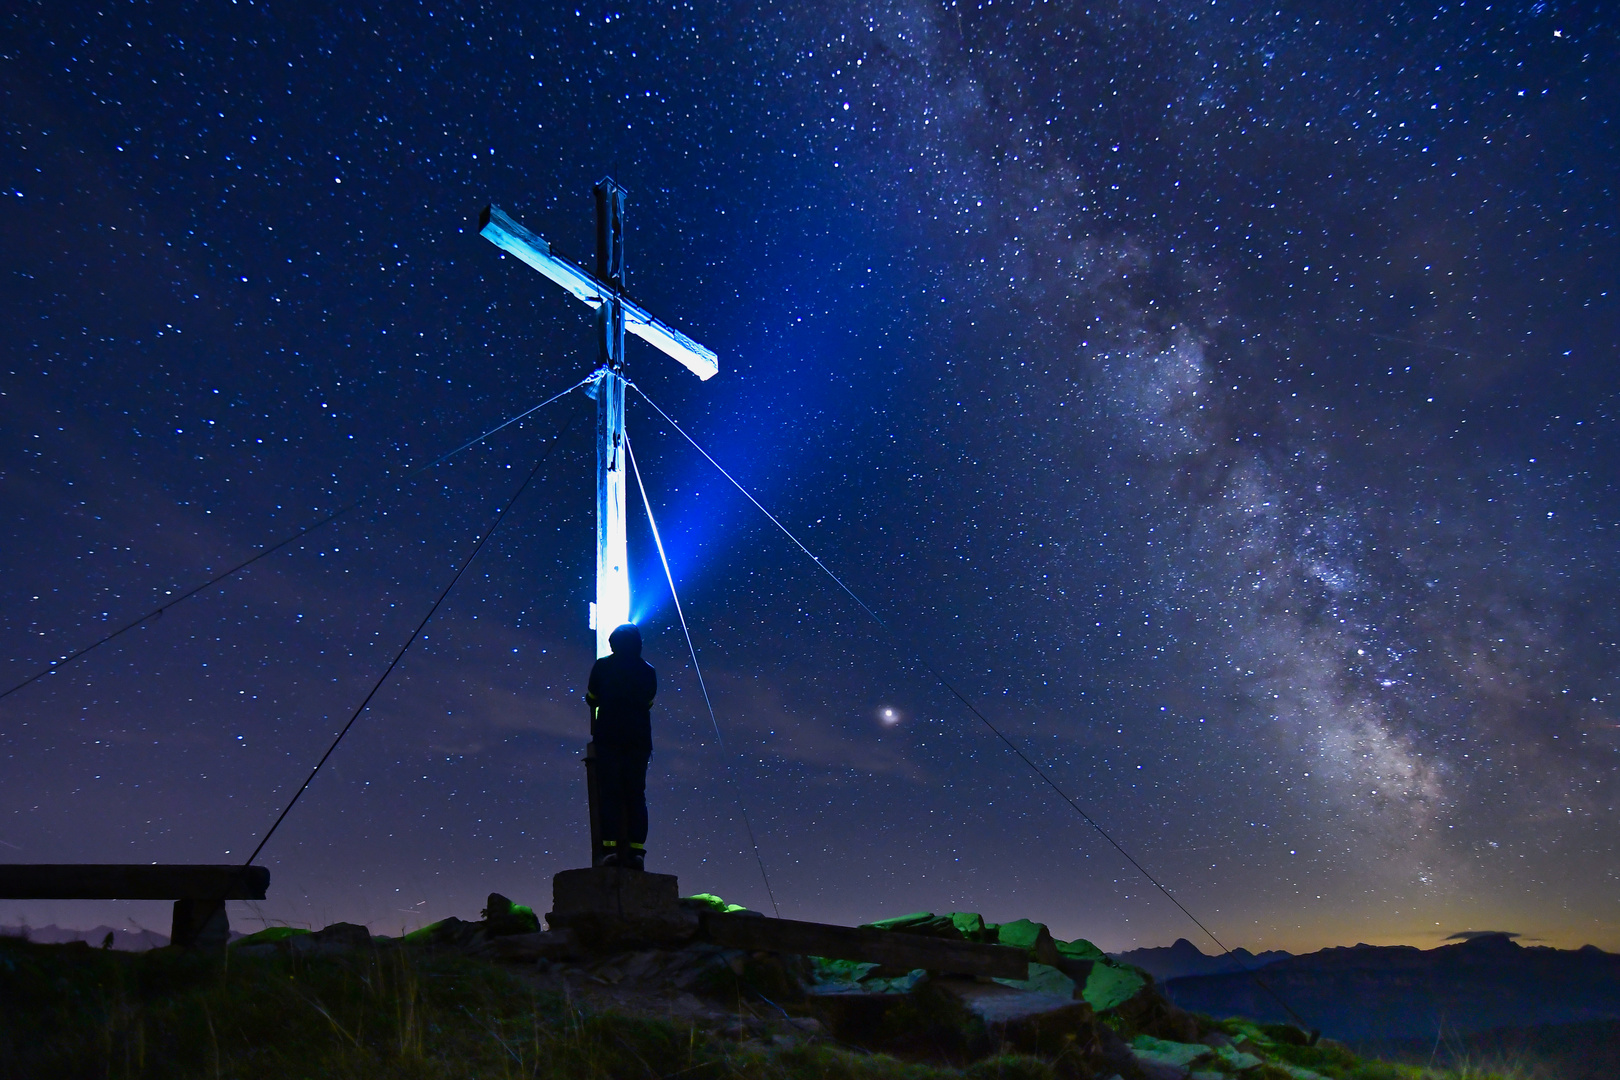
1033,937
1297,1072
998,1004
1044,979
1052,1025
709,902
697,967
266,942
1236,1060
1164,1052
838,976
918,922
502,917
451,933
339,937
1110,984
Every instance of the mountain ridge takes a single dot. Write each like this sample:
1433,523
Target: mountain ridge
1182,957
1369,992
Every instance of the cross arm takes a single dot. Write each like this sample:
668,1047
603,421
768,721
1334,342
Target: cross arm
699,360
501,230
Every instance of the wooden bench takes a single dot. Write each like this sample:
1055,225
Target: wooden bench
199,892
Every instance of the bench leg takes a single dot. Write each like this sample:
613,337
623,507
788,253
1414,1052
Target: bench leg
200,924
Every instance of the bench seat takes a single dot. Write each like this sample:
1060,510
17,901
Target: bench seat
199,891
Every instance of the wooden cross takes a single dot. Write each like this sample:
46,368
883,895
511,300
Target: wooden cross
616,312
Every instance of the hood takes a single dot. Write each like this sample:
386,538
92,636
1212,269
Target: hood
626,641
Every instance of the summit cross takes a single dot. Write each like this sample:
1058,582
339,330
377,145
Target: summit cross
616,312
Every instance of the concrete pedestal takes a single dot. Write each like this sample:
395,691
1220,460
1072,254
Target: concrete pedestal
609,907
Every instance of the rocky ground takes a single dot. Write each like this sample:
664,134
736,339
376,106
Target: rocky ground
627,998
1079,1013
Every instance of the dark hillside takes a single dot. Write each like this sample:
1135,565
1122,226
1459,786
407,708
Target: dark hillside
1589,1050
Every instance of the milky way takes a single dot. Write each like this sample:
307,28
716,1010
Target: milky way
1218,395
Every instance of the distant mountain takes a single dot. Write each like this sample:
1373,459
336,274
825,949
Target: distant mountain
1184,958
1367,993
128,940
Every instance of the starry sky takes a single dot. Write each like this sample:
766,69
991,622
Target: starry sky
1222,396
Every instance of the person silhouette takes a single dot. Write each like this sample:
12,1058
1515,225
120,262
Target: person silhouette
620,696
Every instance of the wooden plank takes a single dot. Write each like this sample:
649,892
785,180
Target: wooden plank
865,943
500,229
700,360
137,881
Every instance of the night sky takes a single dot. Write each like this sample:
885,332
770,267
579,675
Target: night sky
1222,396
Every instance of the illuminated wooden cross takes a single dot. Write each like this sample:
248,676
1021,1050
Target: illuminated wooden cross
616,312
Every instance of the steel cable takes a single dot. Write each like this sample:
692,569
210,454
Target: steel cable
57,665
718,738
398,656
968,704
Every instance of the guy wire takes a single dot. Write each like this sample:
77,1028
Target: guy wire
946,683
57,665
400,655
718,738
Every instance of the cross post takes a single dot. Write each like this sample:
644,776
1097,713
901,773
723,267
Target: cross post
612,607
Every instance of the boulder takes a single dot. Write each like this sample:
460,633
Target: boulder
337,938
451,933
502,917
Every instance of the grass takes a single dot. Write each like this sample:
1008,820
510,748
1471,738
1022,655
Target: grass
71,1011
76,1012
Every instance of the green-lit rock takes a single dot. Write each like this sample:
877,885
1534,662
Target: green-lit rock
1079,949
715,903
270,935
503,918
1043,979
1164,1052
1112,984
1237,1060
920,922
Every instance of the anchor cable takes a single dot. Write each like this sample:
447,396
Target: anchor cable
718,738
400,655
968,704
57,665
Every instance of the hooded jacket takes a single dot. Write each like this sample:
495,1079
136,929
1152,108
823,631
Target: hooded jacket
621,691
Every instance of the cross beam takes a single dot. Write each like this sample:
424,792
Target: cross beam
616,312
495,226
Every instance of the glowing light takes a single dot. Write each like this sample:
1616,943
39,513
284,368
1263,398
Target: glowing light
888,716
